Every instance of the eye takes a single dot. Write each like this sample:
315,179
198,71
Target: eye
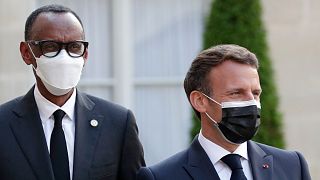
76,47
234,93
256,94
48,47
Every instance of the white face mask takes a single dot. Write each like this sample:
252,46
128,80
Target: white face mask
59,74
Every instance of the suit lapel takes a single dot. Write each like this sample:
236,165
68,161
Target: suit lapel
261,163
28,131
199,165
86,136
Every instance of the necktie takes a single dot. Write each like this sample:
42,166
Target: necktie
58,149
233,161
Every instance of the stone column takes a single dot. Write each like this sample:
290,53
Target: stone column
122,43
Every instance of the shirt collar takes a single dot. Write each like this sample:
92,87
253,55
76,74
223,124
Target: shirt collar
47,108
216,152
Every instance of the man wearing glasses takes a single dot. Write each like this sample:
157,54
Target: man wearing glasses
55,131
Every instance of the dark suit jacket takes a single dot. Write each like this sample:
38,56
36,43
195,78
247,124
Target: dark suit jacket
110,151
194,163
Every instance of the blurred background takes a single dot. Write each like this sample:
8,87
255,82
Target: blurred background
140,51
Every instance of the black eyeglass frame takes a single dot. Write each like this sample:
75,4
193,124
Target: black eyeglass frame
61,45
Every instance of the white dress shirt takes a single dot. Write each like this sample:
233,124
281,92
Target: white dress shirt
216,152
46,110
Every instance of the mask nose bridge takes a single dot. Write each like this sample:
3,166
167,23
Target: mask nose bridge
63,50
62,46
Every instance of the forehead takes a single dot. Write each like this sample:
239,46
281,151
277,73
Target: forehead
231,74
56,26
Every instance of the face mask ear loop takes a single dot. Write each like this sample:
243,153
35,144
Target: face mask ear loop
215,122
211,99
32,55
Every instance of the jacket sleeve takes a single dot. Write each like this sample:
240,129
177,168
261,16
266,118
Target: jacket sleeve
305,175
132,157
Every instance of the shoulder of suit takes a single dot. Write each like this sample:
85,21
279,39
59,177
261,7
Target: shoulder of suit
171,163
276,151
104,103
8,106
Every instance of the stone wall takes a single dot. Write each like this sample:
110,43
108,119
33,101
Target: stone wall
293,28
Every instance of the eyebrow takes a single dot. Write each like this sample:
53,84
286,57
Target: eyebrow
242,89
234,89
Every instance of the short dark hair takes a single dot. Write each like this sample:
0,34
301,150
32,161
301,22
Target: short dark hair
197,76
53,8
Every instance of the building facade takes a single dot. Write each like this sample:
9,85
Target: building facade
139,53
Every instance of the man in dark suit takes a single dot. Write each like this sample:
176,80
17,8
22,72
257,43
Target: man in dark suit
223,88
56,131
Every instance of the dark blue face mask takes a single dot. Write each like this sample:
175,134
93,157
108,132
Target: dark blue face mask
240,120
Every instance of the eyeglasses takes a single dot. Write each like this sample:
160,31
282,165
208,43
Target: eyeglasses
51,48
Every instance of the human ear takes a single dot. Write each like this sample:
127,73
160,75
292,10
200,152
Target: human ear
85,55
198,101
25,53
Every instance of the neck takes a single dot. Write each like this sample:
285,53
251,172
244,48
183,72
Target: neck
57,100
212,133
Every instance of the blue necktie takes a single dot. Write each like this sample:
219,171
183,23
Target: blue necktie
58,149
233,161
